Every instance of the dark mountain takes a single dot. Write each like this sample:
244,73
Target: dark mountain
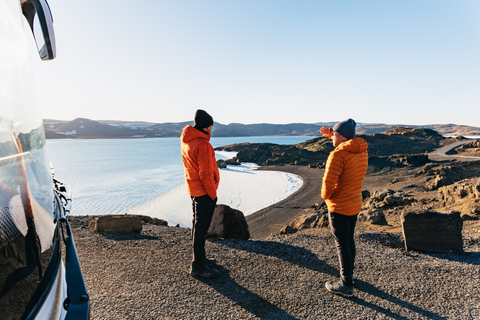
89,129
396,147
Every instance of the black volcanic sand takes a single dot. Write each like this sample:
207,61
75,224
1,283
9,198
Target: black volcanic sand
145,276
271,219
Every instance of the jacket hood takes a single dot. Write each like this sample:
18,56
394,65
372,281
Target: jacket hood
189,133
355,145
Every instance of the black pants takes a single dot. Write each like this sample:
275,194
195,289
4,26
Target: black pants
203,208
343,228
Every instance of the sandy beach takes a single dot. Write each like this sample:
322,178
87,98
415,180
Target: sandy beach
271,219
145,276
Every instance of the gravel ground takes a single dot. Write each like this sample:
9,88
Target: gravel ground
145,276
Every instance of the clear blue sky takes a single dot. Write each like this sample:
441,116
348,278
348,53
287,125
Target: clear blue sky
255,61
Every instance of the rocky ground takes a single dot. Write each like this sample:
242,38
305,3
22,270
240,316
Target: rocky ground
274,276
144,276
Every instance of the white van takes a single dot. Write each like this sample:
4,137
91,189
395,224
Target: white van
35,237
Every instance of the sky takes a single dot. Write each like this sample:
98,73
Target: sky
411,62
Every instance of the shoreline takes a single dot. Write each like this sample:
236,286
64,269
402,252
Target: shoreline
244,188
263,222
271,219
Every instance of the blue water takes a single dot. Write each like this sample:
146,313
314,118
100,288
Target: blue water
113,175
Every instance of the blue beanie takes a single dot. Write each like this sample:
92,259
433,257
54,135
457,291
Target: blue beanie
346,128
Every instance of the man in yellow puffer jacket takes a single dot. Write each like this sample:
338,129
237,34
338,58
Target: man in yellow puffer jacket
342,191
202,178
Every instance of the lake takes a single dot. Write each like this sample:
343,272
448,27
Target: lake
110,176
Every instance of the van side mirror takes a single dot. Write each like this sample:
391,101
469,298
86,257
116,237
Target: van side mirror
40,20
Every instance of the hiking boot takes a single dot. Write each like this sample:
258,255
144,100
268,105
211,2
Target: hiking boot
339,288
210,262
205,273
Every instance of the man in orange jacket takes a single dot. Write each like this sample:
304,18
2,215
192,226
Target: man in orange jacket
202,178
342,191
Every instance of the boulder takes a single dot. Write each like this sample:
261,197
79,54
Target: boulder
433,231
228,223
221,164
467,189
317,220
116,223
471,211
234,161
375,216
148,219
287,229
387,199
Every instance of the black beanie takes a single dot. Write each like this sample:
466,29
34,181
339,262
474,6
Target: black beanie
346,128
202,119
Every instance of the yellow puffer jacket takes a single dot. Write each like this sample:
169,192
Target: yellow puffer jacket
344,173
201,172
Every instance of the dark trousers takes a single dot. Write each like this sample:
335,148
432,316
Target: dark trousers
203,208
343,228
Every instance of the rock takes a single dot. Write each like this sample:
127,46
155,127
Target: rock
287,229
365,194
148,219
317,165
471,145
221,164
234,161
270,153
316,220
320,208
228,223
471,211
323,222
410,160
468,189
433,231
388,199
444,174
375,216
436,182
159,222
116,223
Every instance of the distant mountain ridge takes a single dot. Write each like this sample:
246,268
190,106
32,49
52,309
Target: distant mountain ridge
82,128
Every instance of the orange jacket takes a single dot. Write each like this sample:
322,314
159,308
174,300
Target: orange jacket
344,173
201,172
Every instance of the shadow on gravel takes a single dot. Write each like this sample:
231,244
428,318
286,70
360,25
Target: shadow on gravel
396,241
295,255
472,258
124,236
468,257
370,289
386,239
245,298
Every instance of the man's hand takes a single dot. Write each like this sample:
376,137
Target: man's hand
327,132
